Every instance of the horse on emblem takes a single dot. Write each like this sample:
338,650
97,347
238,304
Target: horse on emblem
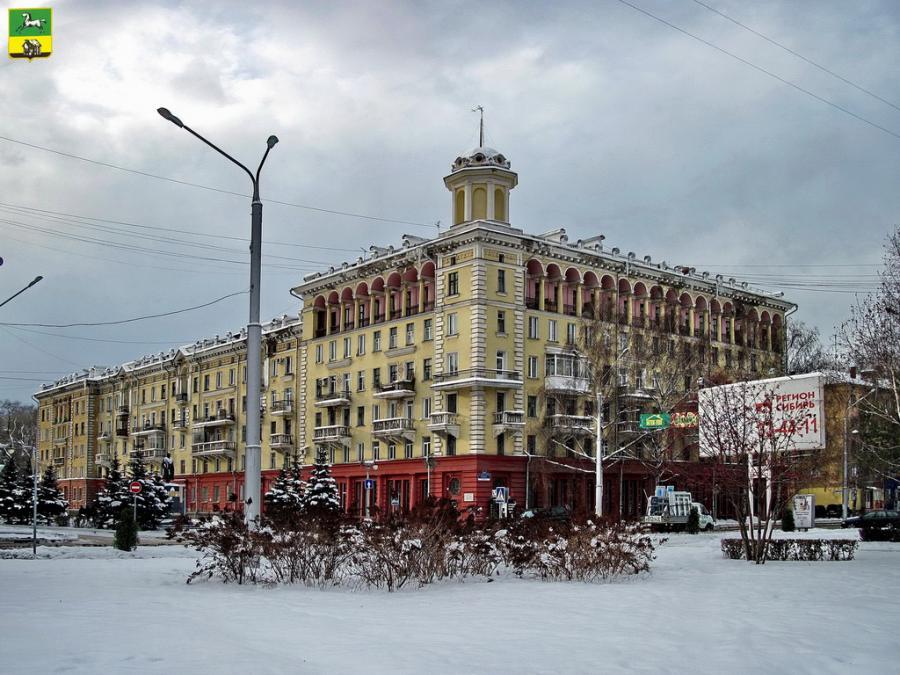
28,22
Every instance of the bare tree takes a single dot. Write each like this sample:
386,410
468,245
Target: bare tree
805,353
749,435
872,340
18,426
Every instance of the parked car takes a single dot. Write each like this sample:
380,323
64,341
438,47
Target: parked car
551,513
875,520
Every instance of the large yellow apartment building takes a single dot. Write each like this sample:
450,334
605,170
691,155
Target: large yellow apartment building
442,366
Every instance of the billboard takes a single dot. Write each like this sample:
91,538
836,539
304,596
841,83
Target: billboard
793,406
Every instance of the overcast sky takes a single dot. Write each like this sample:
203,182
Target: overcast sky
616,123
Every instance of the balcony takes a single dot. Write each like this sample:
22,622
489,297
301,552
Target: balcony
332,398
335,433
402,388
122,411
181,422
444,423
281,441
214,449
571,425
181,397
221,418
478,377
508,420
153,455
121,429
103,436
103,459
59,461
567,374
282,407
148,428
60,440
635,393
393,428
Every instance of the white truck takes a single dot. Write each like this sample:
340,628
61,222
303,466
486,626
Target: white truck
670,510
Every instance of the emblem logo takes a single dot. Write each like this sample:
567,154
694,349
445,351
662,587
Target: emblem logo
30,33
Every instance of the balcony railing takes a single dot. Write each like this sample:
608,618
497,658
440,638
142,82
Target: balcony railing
103,436
392,426
148,428
220,418
531,303
122,411
510,418
444,423
59,461
401,388
332,397
181,422
181,397
572,424
282,407
213,448
484,377
103,459
281,440
334,432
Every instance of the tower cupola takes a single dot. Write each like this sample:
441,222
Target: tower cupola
480,180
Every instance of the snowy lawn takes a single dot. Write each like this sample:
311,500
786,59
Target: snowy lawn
112,612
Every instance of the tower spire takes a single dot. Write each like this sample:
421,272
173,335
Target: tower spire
480,109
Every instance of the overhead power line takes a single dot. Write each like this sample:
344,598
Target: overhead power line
108,340
798,55
122,321
794,85
168,179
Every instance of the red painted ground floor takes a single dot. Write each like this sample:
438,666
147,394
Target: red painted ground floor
467,480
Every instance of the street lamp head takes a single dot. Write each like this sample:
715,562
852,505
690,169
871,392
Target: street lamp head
165,114
271,141
35,280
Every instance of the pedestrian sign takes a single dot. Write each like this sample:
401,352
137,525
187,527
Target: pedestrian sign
370,484
655,421
501,494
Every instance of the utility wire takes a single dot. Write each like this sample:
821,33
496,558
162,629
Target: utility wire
798,55
207,187
123,321
761,70
109,340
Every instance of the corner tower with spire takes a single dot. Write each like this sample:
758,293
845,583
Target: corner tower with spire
480,180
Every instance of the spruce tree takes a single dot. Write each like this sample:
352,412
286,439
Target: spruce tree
321,494
153,500
126,538
285,495
109,501
51,504
23,497
9,482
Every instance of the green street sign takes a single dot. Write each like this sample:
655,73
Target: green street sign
655,421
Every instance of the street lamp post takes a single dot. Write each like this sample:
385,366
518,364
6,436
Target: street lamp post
253,463
598,447
15,295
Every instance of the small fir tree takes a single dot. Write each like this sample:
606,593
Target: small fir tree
51,504
23,497
285,495
126,538
109,501
787,521
9,483
321,494
693,523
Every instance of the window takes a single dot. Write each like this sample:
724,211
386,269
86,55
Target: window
429,329
376,377
348,347
219,380
318,353
551,330
231,376
451,447
376,341
288,367
533,327
410,333
360,345
570,333
360,415
426,370
332,350
531,445
452,362
426,408
392,451
532,406
410,371
376,451
501,281
453,283
532,367
408,450
452,323
426,446
451,403
360,451
206,383
392,338
501,322
501,360
501,444
361,380
346,454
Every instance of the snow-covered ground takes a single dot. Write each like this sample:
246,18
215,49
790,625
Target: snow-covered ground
97,610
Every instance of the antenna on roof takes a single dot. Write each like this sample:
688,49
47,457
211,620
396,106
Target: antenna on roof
480,109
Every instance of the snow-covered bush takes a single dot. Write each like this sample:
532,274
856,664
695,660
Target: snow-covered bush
805,550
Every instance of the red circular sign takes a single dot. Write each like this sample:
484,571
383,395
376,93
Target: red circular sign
135,487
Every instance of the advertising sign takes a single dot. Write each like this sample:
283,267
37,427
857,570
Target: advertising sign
804,511
655,421
793,405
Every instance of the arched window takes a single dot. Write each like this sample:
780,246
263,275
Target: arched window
499,205
460,210
479,203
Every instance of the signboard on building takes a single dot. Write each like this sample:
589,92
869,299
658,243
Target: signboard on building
793,405
804,511
484,476
655,421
